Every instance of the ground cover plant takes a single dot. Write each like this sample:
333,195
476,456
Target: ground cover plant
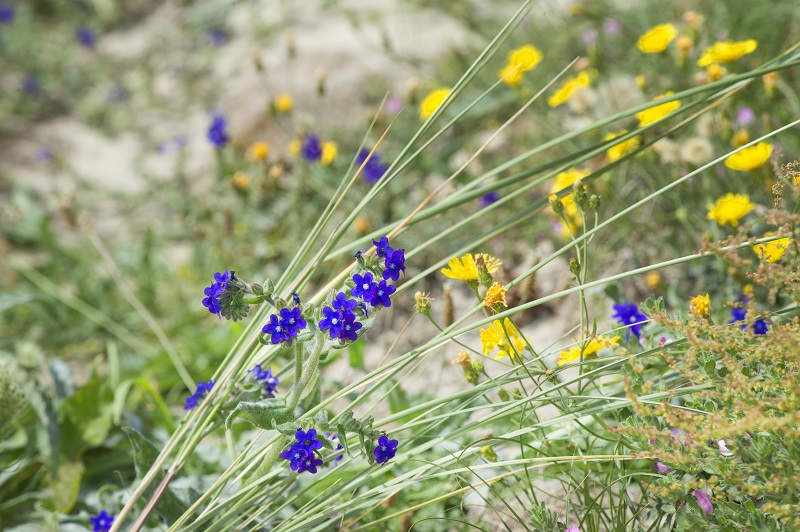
544,281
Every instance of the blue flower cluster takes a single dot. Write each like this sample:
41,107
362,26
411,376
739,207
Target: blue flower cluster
7,13
285,327
628,314
339,319
488,199
217,132
201,391
269,381
739,312
301,454
85,36
213,292
374,170
394,259
102,521
311,148
385,450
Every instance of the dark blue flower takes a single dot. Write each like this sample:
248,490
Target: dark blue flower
310,464
374,170
102,521
269,381
213,292
385,450
739,311
31,85
44,155
380,295
338,447
217,36
349,328
488,199
760,327
395,263
301,454
332,321
308,439
7,13
292,321
296,455
382,247
217,133
363,285
311,148
275,329
343,303
201,391
85,36
628,314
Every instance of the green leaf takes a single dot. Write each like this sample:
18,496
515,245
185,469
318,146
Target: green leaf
90,411
321,420
288,428
314,397
8,301
356,352
266,414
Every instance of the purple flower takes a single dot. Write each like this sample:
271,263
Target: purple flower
217,133
394,104
395,263
385,450
704,501
573,529
338,447
374,170
589,36
382,247
628,314
297,456
380,295
292,321
213,292
85,36
275,329
739,312
611,26
201,391
344,304
760,327
310,463
661,468
31,85
311,148
44,155
102,521
269,381
7,13
488,199
301,454
350,327
332,321
217,36
680,436
363,285
744,116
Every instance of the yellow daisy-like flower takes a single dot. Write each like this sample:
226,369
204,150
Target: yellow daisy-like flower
294,147
730,209
464,269
258,151
495,296
431,103
617,151
329,151
772,251
283,103
527,57
700,305
568,88
502,336
726,51
656,39
750,158
567,179
648,116
590,351
511,75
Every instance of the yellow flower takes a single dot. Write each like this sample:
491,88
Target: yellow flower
656,39
652,280
568,88
511,75
700,305
684,45
726,51
463,359
464,269
730,209
715,72
283,103
640,81
750,158
527,57
772,251
590,351
740,138
294,147
241,181
258,151
617,151
504,337
329,151
648,116
567,179
431,103
495,296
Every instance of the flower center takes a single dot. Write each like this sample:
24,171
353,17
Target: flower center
335,321
365,286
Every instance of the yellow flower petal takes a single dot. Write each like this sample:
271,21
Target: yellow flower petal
431,103
726,51
617,151
568,88
730,209
750,158
771,251
656,39
648,116
527,57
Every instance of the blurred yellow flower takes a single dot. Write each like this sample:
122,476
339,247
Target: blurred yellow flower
726,51
329,151
504,337
511,75
652,280
730,209
568,88
431,103
648,116
527,57
283,103
241,181
715,72
750,158
594,345
495,296
772,251
700,305
567,179
464,269
740,138
656,39
684,45
258,151
294,147
617,151
640,80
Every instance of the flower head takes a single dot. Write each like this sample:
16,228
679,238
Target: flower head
394,263
292,321
350,328
214,292
364,284
750,158
283,103
85,36
704,501
760,327
589,350
379,296
729,209
465,268
744,116
217,133
504,337
311,148
258,151
619,150
525,57
332,321
329,152
700,305
201,391
488,199
275,329
382,247
267,379
511,75
385,450
431,103
7,13
568,88
656,39
567,179
628,314
301,454
652,114
374,170
661,468
102,521
344,304
726,51
495,297
772,251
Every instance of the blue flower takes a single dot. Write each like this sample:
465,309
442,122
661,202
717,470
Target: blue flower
311,148
292,321
382,247
308,440
201,391
7,13
296,456
349,328
385,450
85,36
739,312
395,263
310,464
374,170
213,292
301,454
760,327
217,133
31,85
275,329
102,521
343,303
332,321
628,314
363,285
380,295
217,36
338,447
488,199
269,381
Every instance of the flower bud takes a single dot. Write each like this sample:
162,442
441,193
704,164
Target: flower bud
503,395
422,303
574,266
555,203
477,365
488,453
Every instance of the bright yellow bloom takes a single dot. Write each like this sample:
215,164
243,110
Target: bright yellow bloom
648,116
730,209
700,305
241,181
568,88
511,75
504,337
594,345
656,39
431,103
329,151
464,269
567,179
617,151
283,103
772,251
294,147
652,280
750,158
258,151
715,72
527,57
726,51
495,296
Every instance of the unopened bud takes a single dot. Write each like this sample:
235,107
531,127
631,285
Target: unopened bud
555,203
471,375
580,194
503,395
449,312
322,77
484,277
488,453
574,266
594,202
422,303
477,365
